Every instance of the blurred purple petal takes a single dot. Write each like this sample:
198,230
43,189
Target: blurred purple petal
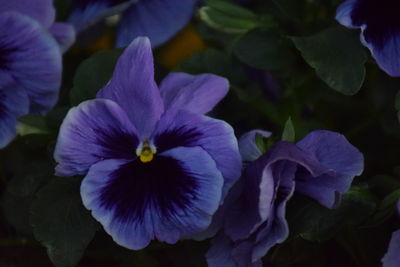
32,57
41,11
132,86
196,93
14,103
158,19
86,13
64,34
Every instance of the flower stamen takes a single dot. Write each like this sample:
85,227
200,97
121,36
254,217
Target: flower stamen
146,151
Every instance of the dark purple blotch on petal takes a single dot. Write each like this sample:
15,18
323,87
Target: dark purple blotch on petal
135,187
381,18
181,136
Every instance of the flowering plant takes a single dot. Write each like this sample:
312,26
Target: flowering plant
218,133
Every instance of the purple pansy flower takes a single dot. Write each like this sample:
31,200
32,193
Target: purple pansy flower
155,167
380,29
158,19
30,61
392,256
322,166
43,12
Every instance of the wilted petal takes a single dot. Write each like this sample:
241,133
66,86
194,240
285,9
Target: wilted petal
86,13
261,182
248,146
64,34
216,137
172,196
132,86
39,10
334,152
157,19
32,57
196,93
91,132
392,256
276,230
14,103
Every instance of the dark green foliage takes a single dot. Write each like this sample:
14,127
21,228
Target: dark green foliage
337,56
61,223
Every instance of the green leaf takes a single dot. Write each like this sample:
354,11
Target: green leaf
386,208
316,223
61,223
261,143
229,18
230,8
32,124
216,62
93,74
293,10
337,56
15,209
397,104
288,131
28,179
265,50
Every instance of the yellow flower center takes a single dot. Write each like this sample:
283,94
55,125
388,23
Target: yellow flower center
146,152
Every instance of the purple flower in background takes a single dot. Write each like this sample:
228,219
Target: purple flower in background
155,167
43,12
322,166
30,61
380,29
392,257
158,19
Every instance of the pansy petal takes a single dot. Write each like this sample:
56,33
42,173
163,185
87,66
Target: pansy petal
386,53
242,254
196,93
276,230
32,57
220,251
216,137
93,131
64,34
172,196
343,13
157,19
39,10
334,152
86,13
380,30
392,256
14,103
248,146
261,182
132,86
